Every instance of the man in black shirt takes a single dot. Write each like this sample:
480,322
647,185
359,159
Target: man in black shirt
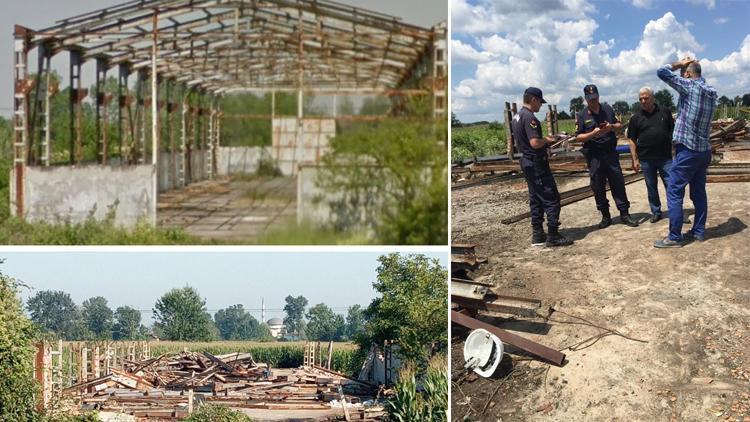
650,133
595,127
543,195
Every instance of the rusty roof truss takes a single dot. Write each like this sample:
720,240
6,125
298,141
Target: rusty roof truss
228,45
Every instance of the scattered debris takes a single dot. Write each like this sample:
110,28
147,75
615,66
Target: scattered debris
171,386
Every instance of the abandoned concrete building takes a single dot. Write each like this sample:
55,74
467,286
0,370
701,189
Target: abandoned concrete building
159,128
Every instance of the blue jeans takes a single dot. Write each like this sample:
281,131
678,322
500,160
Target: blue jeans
688,168
650,170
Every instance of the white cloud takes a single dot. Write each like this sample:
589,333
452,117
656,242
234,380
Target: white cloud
710,4
647,4
730,71
559,54
721,20
642,4
464,53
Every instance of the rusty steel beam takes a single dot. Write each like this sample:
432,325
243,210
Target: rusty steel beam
535,349
571,196
499,304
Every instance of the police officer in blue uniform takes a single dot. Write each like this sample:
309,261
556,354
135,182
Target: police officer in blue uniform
595,127
543,195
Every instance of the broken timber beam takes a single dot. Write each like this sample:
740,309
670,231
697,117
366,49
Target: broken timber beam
535,349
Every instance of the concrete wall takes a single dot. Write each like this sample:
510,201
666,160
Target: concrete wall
240,160
320,207
168,175
310,207
289,151
57,194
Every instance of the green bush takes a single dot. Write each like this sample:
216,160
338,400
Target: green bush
389,177
15,231
216,413
477,141
17,386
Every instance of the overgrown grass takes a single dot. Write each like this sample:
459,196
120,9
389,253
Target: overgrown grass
306,233
15,231
477,141
489,139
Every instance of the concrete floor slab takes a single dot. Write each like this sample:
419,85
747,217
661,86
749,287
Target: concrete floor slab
236,210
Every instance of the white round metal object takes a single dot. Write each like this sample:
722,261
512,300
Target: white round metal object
483,352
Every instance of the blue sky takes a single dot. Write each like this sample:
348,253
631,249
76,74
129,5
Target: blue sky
499,47
137,279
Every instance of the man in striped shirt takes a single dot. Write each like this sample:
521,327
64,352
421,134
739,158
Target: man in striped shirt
695,110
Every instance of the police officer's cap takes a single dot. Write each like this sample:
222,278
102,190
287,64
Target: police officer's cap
590,92
535,92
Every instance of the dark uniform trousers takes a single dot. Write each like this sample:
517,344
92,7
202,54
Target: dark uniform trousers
604,166
543,195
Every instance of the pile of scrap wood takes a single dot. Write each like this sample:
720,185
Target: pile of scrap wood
170,386
729,134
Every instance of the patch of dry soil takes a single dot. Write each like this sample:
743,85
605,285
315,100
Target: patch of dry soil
691,306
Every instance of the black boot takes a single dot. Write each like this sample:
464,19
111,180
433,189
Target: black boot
537,235
556,239
606,221
628,220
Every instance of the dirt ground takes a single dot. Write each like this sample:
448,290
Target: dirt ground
230,209
689,306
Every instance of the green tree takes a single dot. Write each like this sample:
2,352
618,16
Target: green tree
54,312
746,100
295,311
375,106
664,98
391,177
127,324
563,116
98,317
355,322
17,333
621,107
576,105
345,106
412,309
323,324
635,107
180,314
725,101
234,323
454,120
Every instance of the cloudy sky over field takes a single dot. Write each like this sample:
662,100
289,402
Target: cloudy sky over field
499,47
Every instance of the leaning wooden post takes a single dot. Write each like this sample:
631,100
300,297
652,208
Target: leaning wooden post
508,133
84,364
95,363
555,127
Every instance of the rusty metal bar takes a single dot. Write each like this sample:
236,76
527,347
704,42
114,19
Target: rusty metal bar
571,196
535,349
123,103
76,94
500,304
101,127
